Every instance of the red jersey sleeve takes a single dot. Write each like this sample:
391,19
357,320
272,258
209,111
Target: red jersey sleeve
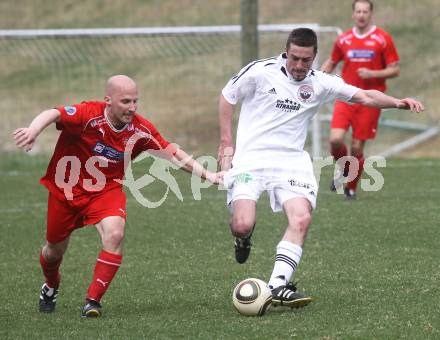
73,118
390,52
337,54
152,140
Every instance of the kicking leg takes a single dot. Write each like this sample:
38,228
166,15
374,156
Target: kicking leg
242,225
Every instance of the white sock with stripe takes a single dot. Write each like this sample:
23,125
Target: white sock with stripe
286,260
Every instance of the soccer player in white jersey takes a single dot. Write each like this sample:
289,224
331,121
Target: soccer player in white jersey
279,96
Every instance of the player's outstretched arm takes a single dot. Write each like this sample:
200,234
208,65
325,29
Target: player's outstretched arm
328,66
25,137
226,147
187,163
379,99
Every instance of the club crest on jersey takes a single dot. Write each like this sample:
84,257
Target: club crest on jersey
305,93
287,105
70,110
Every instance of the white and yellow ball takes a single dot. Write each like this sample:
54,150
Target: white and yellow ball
252,297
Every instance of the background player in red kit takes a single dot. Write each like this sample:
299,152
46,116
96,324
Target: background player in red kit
369,57
83,179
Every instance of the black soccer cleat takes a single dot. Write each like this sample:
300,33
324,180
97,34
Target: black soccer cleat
288,296
91,309
243,247
350,194
48,299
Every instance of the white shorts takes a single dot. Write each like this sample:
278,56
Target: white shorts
280,184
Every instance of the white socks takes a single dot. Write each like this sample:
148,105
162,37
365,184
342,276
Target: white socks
286,261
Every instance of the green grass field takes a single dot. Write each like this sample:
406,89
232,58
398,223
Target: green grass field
371,264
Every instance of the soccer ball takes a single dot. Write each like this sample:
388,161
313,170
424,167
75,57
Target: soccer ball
252,297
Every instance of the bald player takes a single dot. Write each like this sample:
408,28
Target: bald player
84,180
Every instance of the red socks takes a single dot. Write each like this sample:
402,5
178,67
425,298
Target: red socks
353,184
106,267
340,152
51,271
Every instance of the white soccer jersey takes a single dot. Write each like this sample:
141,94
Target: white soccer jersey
276,111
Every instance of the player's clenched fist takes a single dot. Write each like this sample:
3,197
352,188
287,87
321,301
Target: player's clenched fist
24,138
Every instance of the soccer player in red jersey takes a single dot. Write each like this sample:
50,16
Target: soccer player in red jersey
84,179
369,57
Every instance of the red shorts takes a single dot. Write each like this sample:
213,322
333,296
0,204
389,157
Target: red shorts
65,216
362,119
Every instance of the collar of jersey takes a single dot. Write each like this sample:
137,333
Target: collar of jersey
111,125
361,36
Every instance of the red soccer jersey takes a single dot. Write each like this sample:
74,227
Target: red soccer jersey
373,50
89,154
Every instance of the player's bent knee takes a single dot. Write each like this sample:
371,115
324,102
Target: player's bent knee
52,252
241,227
111,230
52,256
114,237
357,147
357,151
301,222
336,142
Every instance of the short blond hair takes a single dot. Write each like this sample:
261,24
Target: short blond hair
367,1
